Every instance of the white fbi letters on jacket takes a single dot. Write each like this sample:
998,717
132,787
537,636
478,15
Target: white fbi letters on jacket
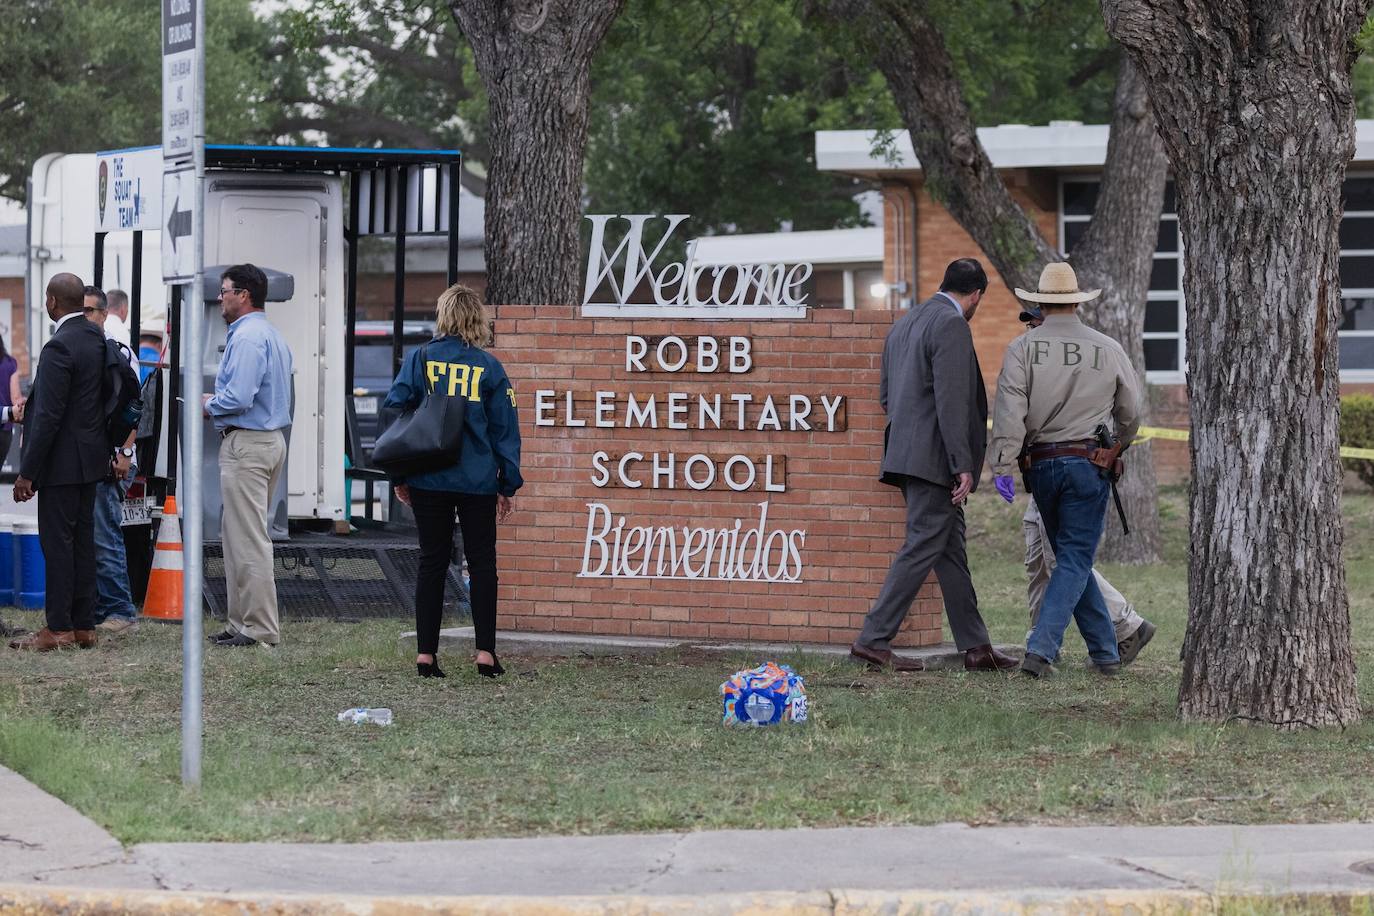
1058,383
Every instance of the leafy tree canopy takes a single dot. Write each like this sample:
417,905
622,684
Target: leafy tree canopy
80,77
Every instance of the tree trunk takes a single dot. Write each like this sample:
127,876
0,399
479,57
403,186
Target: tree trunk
1255,107
1115,254
534,57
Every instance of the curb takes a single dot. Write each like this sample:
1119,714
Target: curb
26,900
942,657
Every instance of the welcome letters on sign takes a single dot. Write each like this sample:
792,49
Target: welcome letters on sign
739,290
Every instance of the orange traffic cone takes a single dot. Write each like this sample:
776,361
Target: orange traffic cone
163,600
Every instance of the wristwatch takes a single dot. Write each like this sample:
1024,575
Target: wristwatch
125,451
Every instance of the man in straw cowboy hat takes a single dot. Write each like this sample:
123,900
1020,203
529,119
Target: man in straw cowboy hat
1059,383
1132,630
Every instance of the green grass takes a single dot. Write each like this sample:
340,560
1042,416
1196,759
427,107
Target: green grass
635,744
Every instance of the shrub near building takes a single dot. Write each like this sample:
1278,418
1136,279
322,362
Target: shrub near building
1357,431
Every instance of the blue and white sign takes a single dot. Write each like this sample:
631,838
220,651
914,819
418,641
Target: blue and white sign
128,190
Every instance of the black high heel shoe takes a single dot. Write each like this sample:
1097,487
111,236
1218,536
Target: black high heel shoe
429,669
491,670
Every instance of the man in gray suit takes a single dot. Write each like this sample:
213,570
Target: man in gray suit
937,410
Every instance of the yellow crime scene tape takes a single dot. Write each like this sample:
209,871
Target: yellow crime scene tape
1181,435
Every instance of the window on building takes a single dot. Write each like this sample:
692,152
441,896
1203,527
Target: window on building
1356,330
1164,318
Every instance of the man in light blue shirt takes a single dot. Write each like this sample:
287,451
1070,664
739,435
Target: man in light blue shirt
251,406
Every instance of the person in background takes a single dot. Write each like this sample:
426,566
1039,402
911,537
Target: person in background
1132,630
9,397
251,407
116,318
66,453
114,610
478,489
10,415
149,349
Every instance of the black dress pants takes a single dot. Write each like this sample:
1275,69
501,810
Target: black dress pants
66,532
435,514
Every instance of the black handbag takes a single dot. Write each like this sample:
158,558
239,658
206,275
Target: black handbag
428,437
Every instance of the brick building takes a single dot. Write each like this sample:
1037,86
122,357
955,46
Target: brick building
1054,172
13,320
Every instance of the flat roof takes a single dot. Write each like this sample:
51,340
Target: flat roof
823,246
313,158
1060,144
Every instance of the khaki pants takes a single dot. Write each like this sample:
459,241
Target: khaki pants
1040,563
250,466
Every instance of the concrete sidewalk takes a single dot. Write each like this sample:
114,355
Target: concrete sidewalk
949,867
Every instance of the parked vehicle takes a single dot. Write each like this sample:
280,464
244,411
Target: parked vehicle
373,372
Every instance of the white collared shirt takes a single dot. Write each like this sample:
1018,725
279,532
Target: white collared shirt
68,317
117,330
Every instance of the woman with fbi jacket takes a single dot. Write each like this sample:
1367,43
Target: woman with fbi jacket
478,490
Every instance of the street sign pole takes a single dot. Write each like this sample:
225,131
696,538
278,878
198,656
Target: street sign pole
192,641
183,262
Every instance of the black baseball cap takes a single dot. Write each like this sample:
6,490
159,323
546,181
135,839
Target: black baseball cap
1031,313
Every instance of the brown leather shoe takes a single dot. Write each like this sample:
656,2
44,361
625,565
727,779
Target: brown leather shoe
85,639
885,658
986,658
45,640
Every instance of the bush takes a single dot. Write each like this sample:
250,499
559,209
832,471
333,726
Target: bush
1357,431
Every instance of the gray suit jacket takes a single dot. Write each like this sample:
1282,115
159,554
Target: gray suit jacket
932,391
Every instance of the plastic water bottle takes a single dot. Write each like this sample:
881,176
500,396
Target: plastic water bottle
359,715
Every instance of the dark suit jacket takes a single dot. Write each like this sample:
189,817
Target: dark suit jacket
932,391
64,420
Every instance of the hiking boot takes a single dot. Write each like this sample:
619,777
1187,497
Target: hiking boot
1035,666
113,626
1130,647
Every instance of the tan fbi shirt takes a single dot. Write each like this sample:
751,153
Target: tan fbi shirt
1058,382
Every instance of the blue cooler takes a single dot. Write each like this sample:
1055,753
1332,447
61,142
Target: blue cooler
30,571
6,560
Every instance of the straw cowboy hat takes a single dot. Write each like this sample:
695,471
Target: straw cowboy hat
1058,284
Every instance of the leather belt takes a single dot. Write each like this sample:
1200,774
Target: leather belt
1044,451
224,433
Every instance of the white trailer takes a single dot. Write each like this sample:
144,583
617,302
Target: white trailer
98,216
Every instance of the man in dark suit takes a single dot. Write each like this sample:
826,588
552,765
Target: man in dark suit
66,452
937,411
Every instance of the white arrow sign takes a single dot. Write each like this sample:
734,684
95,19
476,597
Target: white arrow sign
178,237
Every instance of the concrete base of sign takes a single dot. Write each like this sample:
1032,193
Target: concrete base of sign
943,657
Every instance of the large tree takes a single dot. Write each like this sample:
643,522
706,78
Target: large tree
1116,252
534,58
1254,102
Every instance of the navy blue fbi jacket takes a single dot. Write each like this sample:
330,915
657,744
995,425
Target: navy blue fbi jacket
491,437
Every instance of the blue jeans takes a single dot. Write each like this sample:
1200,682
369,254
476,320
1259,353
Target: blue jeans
111,566
1072,496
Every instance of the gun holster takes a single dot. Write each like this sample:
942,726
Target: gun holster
1109,462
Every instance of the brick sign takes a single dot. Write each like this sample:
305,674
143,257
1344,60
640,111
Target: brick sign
700,479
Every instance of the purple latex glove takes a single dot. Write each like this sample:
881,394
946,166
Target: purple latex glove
1006,486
